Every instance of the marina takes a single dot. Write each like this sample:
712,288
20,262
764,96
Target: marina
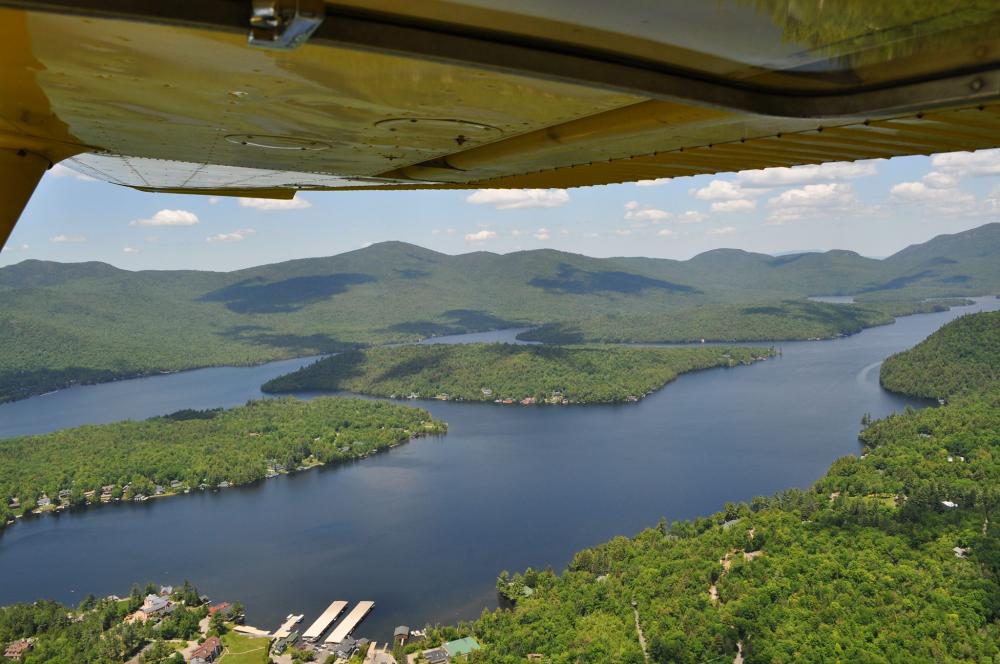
324,621
286,628
347,625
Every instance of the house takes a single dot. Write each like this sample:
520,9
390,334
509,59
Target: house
222,608
345,648
89,495
14,503
44,501
207,651
528,401
17,649
436,656
166,591
153,606
400,635
159,490
176,484
461,646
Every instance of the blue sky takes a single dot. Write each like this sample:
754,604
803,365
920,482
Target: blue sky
872,207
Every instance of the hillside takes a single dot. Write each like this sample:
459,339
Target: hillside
892,556
506,372
962,356
774,321
86,322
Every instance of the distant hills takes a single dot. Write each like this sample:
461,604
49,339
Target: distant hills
63,323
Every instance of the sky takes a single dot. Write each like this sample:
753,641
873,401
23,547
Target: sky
874,207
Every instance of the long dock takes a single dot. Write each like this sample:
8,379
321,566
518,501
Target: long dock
286,628
347,625
317,628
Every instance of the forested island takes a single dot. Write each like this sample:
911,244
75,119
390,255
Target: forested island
962,356
787,320
892,556
191,450
508,373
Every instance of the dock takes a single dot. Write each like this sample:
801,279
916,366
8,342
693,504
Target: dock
251,631
286,628
317,628
347,625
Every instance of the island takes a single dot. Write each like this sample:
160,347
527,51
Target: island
196,450
509,373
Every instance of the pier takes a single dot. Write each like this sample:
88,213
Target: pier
324,621
286,629
348,624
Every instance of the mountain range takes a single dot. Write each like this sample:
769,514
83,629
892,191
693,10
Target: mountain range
72,322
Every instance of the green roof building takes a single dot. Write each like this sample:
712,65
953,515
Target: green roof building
461,646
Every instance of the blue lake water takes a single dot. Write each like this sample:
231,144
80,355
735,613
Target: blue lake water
423,529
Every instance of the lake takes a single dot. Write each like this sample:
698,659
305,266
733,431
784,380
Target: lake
424,529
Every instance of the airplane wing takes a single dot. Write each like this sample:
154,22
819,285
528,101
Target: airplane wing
267,97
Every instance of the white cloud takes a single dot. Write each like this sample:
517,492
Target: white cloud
738,205
665,232
783,176
966,164
130,250
272,204
725,190
213,200
940,180
62,237
10,248
235,236
812,200
652,183
60,171
636,212
938,194
480,236
725,230
690,217
168,218
623,232
517,232
516,199
542,234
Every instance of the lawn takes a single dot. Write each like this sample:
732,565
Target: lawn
241,649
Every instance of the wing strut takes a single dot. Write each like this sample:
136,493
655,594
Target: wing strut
20,172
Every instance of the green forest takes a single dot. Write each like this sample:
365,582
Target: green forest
508,372
95,632
963,355
71,323
892,556
192,449
776,321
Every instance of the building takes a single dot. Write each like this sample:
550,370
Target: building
401,634
223,608
17,649
207,651
345,648
436,656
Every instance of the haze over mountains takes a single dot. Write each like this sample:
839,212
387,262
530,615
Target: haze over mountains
92,321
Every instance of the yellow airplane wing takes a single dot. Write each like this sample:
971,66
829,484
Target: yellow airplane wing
268,97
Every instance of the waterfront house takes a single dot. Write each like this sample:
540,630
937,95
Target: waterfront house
461,646
166,591
89,495
207,651
176,484
346,648
44,501
14,504
17,649
222,608
159,490
436,656
154,606
400,635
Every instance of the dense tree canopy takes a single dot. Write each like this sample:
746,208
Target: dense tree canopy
487,372
767,321
200,447
963,355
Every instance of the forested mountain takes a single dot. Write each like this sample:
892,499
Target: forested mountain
508,372
65,323
962,356
893,556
